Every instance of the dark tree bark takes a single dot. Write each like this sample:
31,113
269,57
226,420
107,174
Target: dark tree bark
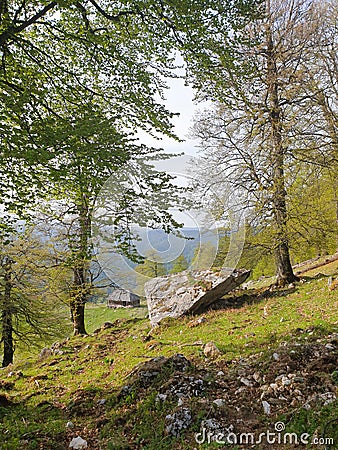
81,282
284,271
6,316
79,299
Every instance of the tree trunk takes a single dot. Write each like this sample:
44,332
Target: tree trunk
6,317
81,283
78,318
284,270
79,299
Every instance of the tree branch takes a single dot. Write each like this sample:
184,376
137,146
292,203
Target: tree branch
13,30
114,18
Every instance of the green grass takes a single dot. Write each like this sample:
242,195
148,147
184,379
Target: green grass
46,394
96,315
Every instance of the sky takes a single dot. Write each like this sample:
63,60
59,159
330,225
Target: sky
179,99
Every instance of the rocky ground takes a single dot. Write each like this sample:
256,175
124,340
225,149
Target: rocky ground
259,372
174,402
223,403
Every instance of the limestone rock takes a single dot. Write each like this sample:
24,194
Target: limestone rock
189,291
78,443
266,407
178,421
211,350
45,353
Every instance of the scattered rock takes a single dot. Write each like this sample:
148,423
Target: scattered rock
78,443
275,356
329,347
196,322
256,376
125,391
219,402
327,398
211,350
107,325
45,353
178,421
215,430
246,382
161,398
189,291
69,425
266,407
101,402
147,377
184,387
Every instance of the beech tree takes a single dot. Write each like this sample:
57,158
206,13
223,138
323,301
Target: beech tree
263,118
78,80
30,314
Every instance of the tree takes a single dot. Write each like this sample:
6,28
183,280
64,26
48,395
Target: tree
179,264
54,114
113,52
75,127
30,313
263,118
152,266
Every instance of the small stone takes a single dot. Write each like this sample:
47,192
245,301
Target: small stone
69,425
256,376
102,401
160,398
220,373
328,397
329,347
178,421
107,325
45,353
239,390
297,392
275,356
180,402
266,407
246,382
78,443
219,402
58,352
211,350
286,381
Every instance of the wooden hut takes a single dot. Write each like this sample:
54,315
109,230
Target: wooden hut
120,298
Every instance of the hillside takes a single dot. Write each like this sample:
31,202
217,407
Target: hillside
276,366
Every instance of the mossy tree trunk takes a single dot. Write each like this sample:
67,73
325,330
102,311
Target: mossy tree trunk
7,315
284,271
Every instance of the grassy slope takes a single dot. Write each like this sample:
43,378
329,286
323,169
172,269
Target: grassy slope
40,396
